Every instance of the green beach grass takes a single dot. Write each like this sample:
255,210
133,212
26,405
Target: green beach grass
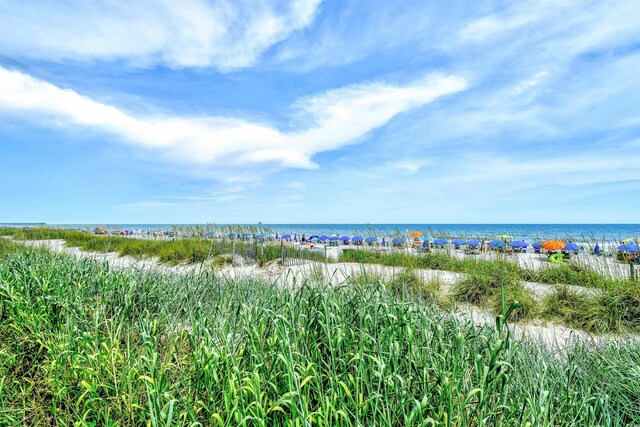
82,345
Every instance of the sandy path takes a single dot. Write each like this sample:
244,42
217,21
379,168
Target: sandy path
549,334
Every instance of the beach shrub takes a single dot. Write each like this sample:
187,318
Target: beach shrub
570,274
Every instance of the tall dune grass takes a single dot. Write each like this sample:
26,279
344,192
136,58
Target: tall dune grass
82,345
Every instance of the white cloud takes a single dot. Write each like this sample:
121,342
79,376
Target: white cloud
328,121
225,34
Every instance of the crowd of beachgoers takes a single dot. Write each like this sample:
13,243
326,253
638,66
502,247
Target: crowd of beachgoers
557,250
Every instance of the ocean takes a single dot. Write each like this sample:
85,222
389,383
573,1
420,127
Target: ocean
527,232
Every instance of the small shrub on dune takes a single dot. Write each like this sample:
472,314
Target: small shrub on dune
407,285
476,289
527,307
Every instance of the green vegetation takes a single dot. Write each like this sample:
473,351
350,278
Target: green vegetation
564,274
81,345
612,310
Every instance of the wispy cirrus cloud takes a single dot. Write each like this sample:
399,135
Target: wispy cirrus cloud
224,34
325,122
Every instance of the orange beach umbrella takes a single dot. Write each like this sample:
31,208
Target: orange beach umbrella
416,233
553,245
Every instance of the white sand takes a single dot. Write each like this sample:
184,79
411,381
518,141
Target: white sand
550,334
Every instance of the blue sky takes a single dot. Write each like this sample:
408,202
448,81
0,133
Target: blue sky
320,111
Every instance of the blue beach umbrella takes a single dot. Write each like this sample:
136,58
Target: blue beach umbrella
440,242
231,235
397,241
383,243
285,236
518,244
370,239
571,246
247,235
357,239
334,238
345,238
473,243
323,238
313,237
262,234
628,247
596,250
496,244
276,236
536,245
425,244
458,242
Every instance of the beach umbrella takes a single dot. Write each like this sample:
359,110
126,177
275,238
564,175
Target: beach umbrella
628,247
571,246
384,243
627,240
518,244
397,241
416,233
536,245
440,242
285,236
247,235
231,235
370,239
505,236
323,238
262,234
425,244
357,239
473,242
313,237
458,242
596,250
345,238
276,236
496,244
553,245
334,238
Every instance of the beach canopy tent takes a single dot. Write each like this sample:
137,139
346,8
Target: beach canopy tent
285,236
458,242
440,242
370,239
571,246
345,238
416,233
397,241
553,245
628,247
473,243
518,244
357,239
496,244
